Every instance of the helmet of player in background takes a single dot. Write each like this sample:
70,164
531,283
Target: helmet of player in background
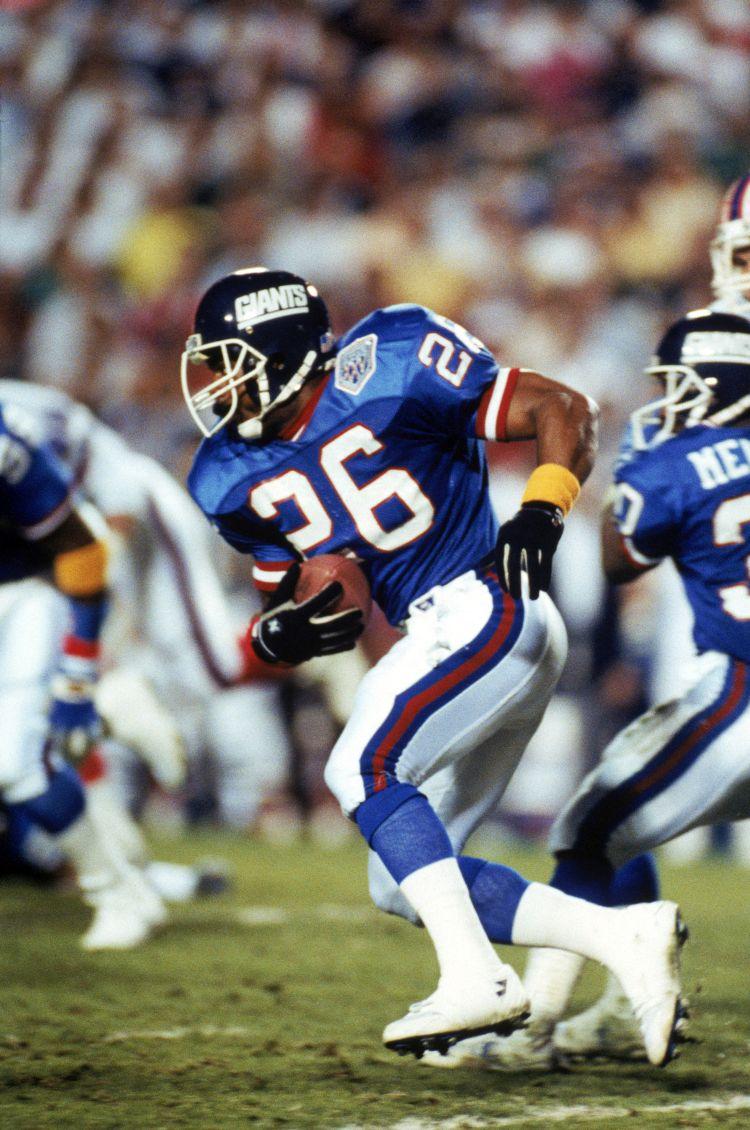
731,279
260,331
703,362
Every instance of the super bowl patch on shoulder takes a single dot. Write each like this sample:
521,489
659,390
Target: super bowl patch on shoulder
355,364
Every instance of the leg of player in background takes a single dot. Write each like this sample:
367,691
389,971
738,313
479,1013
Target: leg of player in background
107,853
140,725
608,1026
250,747
41,792
675,768
417,759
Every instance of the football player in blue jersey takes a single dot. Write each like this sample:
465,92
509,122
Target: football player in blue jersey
373,446
682,490
48,670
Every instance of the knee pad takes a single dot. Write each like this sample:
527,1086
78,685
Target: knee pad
345,786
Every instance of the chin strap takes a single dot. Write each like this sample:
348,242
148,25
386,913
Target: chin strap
253,429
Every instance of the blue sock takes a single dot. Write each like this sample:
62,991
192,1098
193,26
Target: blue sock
636,881
401,826
20,827
496,891
27,844
58,806
584,876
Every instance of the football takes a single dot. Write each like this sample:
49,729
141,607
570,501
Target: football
320,571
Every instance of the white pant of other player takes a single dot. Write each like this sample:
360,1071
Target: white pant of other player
682,764
33,618
32,623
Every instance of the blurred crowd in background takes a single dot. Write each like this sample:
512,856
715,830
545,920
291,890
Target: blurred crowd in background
546,173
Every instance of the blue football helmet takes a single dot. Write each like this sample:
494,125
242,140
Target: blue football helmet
260,331
703,361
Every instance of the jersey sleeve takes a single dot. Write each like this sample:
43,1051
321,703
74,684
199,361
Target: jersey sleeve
270,561
222,498
458,383
646,511
35,488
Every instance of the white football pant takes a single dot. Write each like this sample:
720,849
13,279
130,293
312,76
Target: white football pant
682,764
33,619
450,709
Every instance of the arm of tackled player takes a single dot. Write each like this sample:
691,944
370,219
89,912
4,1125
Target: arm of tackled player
78,548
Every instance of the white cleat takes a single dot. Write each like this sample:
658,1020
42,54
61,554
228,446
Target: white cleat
126,914
456,1010
607,1030
527,1049
648,969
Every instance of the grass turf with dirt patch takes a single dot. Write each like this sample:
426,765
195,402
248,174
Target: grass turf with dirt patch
265,1008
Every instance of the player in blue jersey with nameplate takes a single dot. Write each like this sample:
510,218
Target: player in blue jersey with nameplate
681,490
374,446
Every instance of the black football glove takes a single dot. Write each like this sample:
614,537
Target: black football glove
293,633
528,541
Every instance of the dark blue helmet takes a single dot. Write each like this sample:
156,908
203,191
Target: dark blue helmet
259,331
703,361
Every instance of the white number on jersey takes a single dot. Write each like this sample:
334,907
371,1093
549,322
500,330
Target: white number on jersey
731,515
296,487
444,358
360,501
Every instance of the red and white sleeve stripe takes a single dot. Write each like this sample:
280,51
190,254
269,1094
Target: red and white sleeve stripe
492,413
637,559
267,574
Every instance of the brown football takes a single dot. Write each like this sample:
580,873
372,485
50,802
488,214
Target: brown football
320,571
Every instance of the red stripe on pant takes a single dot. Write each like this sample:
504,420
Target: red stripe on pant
441,687
737,690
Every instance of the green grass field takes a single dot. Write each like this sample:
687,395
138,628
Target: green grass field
265,1008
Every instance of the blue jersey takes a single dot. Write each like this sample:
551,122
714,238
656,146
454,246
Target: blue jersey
689,499
34,495
387,464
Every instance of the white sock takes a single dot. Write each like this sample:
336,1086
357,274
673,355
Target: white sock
550,978
88,851
547,917
441,898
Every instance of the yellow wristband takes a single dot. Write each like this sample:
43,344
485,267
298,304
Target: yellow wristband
551,482
82,572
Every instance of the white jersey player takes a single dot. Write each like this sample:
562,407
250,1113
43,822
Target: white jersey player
49,664
171,637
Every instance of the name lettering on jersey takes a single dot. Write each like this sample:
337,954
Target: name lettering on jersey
275,302
721,462
704,345
355,364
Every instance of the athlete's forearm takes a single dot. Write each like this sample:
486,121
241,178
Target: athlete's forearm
563,422
618,566
567,426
